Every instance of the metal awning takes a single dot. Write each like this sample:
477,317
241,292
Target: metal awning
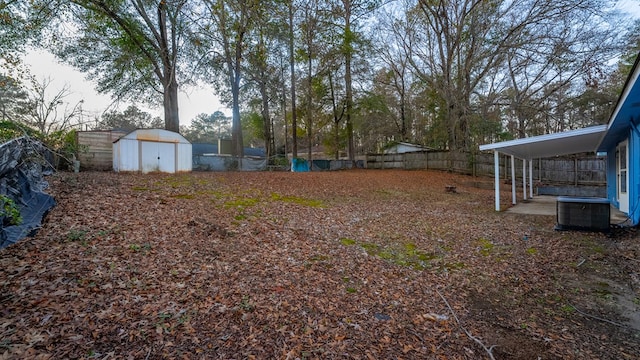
535,147
564,143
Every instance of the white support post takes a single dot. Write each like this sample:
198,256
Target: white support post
513,180
531,178
524,179
496,165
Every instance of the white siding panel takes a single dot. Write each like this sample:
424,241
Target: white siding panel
115,160
125,155
185,158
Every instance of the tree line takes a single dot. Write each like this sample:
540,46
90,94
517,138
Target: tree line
351,75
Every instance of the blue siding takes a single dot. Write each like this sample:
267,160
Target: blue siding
611,177
634,174
623,125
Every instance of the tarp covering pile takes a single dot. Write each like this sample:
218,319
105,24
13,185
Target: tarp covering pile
23,164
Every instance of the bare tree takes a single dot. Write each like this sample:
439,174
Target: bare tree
462,49
550,64
350,17
49,111
395,79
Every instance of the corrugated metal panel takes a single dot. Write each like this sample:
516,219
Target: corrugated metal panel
158,156
126,155
184,158
150,150
116,157
157,135
96,149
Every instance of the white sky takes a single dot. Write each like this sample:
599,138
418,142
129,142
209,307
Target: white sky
42,64
191,102
630,6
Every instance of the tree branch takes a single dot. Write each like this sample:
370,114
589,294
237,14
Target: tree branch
478,341
599,318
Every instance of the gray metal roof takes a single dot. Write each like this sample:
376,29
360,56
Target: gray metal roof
564,143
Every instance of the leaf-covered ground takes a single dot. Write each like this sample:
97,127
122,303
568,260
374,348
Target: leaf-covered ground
356,264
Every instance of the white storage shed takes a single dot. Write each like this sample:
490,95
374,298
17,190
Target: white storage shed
149,150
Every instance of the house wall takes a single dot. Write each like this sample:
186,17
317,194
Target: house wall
611,178
633,173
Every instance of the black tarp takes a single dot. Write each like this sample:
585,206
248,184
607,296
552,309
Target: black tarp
23,164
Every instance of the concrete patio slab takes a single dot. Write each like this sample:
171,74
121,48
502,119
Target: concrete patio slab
546,205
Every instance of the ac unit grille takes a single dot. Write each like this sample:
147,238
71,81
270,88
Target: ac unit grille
589,214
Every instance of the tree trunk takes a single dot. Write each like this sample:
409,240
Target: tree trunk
403,115
284,108
347,80
266,118
236,125
170,102
310,99
292,63
336,119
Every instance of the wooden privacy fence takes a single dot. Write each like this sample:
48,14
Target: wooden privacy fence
581,169
95,148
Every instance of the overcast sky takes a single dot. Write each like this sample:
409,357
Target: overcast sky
191,102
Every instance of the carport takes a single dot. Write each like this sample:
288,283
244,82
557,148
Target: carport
536,147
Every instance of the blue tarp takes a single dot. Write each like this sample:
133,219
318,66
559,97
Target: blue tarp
299,165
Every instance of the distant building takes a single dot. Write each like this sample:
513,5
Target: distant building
403,148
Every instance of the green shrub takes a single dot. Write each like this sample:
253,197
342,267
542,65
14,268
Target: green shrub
9,211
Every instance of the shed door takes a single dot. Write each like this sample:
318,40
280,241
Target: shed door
622,165
158,156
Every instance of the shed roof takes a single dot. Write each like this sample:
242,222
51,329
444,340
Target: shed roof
563,143
405,147
156,135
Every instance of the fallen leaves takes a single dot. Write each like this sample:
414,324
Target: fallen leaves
284,265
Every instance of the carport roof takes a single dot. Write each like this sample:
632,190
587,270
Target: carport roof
564,143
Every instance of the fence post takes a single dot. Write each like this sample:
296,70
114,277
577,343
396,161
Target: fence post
556,170
540,169
575,170
513,180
